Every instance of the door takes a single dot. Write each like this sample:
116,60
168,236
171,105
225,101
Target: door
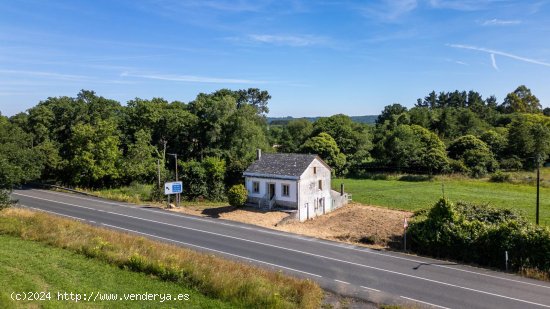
271,190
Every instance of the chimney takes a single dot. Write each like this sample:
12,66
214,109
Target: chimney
342,189
258,154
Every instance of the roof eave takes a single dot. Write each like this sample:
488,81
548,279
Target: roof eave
272,176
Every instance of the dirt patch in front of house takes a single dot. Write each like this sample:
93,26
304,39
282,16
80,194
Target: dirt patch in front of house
354,223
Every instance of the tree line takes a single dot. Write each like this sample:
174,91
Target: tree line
91,141
449,132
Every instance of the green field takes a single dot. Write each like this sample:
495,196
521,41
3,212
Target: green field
411,195
27,266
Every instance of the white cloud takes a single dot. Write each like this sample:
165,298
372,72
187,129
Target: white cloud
494,62
500,53
290,40
390,10
46,74
500,22
192,78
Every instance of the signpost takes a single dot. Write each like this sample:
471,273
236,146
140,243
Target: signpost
175,187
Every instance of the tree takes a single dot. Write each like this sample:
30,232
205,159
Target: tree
214,169
521,101
353,139
294,134
474,153
412,148
529,137
325,146
256,98
19,162
497,140
546,111
193,177
95,154
140,163
391,113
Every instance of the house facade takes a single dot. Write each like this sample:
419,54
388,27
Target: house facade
300,182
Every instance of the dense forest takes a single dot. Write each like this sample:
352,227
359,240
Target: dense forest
91,141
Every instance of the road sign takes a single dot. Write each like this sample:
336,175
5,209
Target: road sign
173,187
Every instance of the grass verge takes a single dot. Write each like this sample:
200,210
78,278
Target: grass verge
141,194
54,270
240,284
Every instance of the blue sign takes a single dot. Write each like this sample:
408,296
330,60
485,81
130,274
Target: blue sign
173,187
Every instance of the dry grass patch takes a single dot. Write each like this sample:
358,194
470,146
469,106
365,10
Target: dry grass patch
241,284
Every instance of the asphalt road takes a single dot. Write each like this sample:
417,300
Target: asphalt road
354,271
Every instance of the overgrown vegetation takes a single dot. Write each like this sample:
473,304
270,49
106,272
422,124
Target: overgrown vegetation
481,235
241,285
51,270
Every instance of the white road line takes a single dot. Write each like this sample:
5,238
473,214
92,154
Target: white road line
306,253
425,303
365,250
364,287
183,243
52,212
210,249
344,282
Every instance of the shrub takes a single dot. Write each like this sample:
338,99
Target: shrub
5,200
511,164
499,176
480,234
237,195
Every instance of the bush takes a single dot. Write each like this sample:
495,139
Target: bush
480,234
5,200
499,176
511,164
237,195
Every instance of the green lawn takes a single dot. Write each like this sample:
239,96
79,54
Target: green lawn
408,195
30,266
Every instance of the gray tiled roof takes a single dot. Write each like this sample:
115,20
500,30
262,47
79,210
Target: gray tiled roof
283,164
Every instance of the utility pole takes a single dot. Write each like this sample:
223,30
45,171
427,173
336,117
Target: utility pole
158,172
177,194
538,189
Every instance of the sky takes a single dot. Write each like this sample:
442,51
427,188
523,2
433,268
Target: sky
316,58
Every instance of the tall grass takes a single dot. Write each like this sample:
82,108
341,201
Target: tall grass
241,284
135,193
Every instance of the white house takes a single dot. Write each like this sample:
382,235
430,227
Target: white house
292,181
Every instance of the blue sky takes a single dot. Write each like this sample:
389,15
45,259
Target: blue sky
314,57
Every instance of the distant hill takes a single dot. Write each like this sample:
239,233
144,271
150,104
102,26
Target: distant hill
284,120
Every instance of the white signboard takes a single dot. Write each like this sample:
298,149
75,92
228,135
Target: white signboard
173,187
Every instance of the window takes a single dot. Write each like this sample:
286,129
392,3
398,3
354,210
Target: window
315,170
320,185
286,190
256,187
